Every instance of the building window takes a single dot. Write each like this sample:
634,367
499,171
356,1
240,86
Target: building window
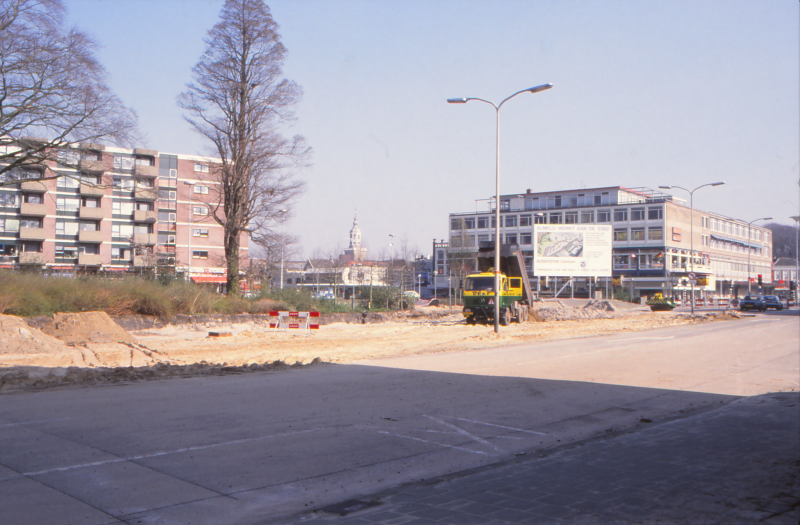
483,238
116,254
483,222
621,215
637,234
505,205
199,210
196,254
66,252
200,232
704,240
555,218
597,200
573,200
469,223
621,235
67,182
201,168
654,214
511,221
557,201
33,198
524,220
637,214
655,234
144,160
68,204
525,238
455,224
587,217
511,239
621,262
571,217
539,218
199,188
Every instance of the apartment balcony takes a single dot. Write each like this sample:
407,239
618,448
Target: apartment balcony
32,210
145,194
92,166
94,191
141,261
145,171
32,234
31,258
90,213
89,259
145,238
90,237
33,186
145,216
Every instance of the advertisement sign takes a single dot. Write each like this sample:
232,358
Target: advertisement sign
573,250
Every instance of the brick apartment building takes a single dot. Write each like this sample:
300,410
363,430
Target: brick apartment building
651,246
114,210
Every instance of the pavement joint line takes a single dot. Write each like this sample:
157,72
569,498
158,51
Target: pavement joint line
444,445
167,452
501,426
32,422
465,433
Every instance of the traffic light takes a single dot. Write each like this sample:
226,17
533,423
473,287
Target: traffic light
759,279
793,285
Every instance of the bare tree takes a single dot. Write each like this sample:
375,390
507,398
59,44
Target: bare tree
51,86
237,101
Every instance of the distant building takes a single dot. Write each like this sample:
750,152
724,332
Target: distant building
651,246
115,210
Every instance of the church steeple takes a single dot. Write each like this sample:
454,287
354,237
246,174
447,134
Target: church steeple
355,234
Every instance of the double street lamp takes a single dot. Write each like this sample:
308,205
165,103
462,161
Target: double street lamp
750,248
691,223
497,107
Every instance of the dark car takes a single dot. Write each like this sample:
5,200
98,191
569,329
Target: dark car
771,301
752,302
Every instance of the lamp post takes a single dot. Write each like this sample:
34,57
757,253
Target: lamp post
796,254
691,223
283,240
497,107
749,248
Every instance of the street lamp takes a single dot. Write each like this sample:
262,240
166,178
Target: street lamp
691,223
283,240
749,248
497,107
796,257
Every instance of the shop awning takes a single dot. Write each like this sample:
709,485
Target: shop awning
735,241
209,279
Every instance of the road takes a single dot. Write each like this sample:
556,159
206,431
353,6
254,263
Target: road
241,449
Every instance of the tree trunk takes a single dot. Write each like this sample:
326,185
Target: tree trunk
232,257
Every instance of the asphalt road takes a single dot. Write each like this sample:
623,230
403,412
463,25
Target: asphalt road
241,449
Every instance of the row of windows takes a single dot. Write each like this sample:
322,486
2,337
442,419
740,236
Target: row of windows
735,229
638,234
561,201
570,217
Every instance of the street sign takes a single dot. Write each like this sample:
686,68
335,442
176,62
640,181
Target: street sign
692,276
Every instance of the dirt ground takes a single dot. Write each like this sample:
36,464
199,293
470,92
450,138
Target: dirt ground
91,347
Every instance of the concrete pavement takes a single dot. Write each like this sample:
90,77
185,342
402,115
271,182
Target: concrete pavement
736,464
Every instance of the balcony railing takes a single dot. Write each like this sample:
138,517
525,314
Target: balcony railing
145,194
33,186
89,259
90,236
32,210
145,238
90,213
145,216
32,234
141,261
31,258
87,189
93,166
145,171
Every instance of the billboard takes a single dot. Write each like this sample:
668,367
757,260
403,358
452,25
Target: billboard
573,250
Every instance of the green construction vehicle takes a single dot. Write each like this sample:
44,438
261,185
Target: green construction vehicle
658,303
515,287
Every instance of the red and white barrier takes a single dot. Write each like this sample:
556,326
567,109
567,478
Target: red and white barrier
294,321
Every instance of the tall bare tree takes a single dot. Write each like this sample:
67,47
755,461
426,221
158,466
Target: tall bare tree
51,87
237,101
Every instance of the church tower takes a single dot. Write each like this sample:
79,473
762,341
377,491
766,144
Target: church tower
354,252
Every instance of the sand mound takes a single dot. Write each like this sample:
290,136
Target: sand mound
555,311
87,327
19,338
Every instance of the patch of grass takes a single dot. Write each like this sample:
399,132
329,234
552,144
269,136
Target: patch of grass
31,294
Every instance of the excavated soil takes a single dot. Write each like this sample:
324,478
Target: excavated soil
90,347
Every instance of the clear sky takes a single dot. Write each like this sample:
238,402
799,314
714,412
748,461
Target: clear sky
662,92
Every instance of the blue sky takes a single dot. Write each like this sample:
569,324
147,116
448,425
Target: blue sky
645,94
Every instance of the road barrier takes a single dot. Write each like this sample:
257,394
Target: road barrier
294,321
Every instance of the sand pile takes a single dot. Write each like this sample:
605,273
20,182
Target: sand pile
555,311
18,338
87,327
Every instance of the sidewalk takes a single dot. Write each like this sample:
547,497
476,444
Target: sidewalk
738,464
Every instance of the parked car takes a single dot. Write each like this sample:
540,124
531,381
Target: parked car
752,302
771,301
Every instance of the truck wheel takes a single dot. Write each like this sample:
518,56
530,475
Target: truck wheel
505,317
471,319
522,314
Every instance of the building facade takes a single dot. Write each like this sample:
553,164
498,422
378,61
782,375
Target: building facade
652,238
105,209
